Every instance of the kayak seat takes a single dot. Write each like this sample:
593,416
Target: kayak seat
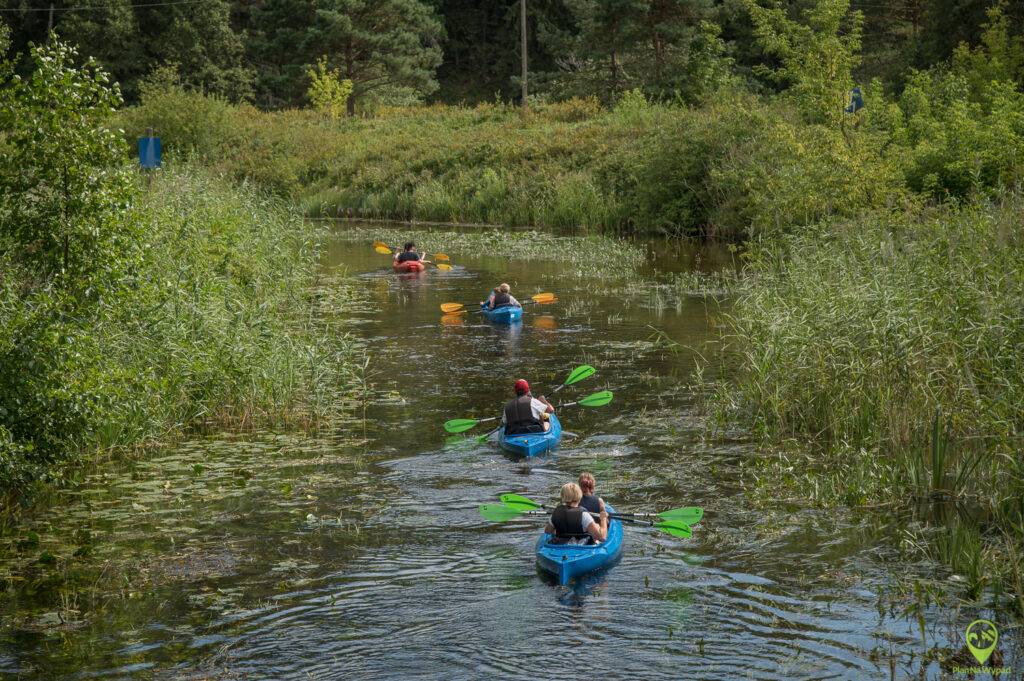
562,541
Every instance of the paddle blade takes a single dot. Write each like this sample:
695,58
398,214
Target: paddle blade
444,267
547,301
597,399
460,425
543,297
516,501
441,256
452,308
579,373
689,515
383,250
498,513
378,244
676,529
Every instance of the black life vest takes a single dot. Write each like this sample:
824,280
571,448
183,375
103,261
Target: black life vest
501,299
568,523
406,256
590,503
519,418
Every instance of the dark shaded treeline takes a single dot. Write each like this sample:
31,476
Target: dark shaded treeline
397,51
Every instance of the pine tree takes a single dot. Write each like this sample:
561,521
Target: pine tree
379,45
661,47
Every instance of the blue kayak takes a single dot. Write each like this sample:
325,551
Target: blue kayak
567,561
532,444
503,315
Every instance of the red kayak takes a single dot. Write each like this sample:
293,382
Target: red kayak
408,266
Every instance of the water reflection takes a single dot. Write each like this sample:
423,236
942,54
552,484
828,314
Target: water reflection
453,319
545,322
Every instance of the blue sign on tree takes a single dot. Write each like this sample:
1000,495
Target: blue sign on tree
149,152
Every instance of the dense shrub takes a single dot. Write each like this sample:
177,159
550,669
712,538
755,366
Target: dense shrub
126,315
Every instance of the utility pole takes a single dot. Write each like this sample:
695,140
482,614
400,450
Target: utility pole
522,25
49,24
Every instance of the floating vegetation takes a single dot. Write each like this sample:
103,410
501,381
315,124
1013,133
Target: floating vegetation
586,256
698,284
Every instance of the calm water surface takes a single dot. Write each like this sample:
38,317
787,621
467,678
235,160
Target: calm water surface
358,553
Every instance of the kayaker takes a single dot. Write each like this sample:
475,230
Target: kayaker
571,524
526,413
407,253
590,501
500,297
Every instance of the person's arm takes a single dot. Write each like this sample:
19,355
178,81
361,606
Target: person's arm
512,299
600,504
599,531
549,528
548,407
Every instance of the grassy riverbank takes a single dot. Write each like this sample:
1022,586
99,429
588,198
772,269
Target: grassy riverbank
734,168
217,323
891,349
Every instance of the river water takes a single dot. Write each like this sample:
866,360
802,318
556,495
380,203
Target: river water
358,553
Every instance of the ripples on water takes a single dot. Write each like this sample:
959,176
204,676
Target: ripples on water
359,554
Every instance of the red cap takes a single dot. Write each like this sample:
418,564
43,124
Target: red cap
522,387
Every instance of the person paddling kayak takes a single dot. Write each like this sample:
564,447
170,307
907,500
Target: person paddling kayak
407,253
500,297
590,501
571,524
526,413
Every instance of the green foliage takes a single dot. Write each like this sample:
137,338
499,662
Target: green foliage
131,39
62,184
125,316
817,57
327,91
664,48
998,58
857,333
220,325
378,46
187,121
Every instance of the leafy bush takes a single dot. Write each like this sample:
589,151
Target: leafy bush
125,315
62,186
188,121
328,91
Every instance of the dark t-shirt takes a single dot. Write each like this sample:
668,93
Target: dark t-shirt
406,256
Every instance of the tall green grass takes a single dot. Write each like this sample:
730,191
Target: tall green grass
221,322
894,344
735,168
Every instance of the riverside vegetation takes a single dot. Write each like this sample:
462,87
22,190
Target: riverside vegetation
877,329
126,314
879,317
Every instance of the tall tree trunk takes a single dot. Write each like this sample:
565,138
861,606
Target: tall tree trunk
614,65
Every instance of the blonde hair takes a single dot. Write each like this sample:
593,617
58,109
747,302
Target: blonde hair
504,288
571,493
587,481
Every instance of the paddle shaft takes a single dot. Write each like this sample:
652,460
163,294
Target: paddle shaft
617,516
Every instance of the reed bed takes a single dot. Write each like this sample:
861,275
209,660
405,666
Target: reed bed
893,346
